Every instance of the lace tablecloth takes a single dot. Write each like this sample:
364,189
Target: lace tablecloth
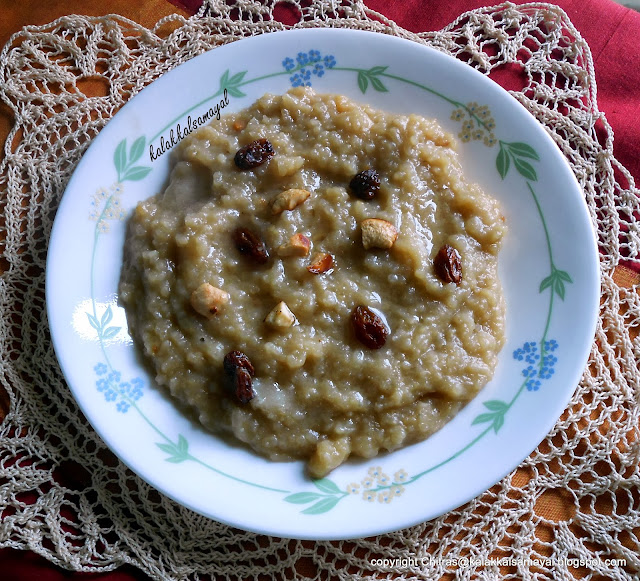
64,495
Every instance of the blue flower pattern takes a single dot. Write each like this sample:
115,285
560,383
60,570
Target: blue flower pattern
288,64
307,64
539,366
110,384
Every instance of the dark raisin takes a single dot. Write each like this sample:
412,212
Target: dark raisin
369,327
254,154
243,389
250,245
237,359
448,264
366,184
238,371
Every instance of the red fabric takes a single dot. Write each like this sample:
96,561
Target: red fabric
611,31
26,566
190,6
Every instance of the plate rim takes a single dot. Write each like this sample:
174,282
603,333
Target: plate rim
96,143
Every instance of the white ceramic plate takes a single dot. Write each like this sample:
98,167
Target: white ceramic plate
548,268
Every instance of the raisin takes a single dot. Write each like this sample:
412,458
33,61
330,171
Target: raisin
254,154
237,359
366,184
369,327
250,245
448,264
243,389
238,371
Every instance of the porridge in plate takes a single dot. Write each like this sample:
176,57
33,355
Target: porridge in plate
318,279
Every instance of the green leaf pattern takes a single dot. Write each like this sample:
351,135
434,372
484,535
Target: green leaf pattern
178,452
124,163
517,152
555,281
323,501
102,325
232,84
495,416
120,157
503,161
372,76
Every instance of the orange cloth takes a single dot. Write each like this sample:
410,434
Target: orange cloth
16,15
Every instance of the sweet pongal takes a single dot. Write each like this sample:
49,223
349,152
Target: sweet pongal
318,279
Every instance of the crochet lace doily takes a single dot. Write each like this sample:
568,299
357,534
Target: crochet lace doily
65,496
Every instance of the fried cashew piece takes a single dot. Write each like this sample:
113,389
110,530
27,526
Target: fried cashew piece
297,245
207,300
281,317
377,233
288,200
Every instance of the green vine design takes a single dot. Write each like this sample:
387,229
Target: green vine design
477,123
